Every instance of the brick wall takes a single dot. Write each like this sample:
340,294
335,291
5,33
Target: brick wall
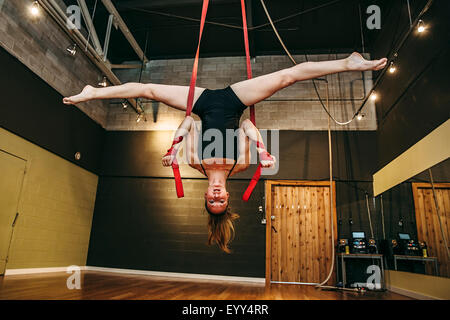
40,44
293,108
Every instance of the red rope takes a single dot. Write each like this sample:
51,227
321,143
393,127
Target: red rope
190,100
247,55
257,175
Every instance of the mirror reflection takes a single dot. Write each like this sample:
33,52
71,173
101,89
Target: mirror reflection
414,217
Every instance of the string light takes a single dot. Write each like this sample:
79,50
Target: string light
34,9
421,26
392,67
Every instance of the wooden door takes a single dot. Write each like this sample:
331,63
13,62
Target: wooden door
428,228
299,248
12,171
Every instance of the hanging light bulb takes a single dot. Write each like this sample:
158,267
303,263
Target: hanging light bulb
139,118
34,9
72,50
360,116
392,67
421,26
125,104
104,83
373,96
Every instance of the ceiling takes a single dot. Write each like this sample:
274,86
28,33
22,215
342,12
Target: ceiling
170,27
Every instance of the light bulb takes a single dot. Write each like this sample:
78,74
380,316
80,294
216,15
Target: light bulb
72,50
125,104
104,83
360,116
392,67
34,8
420,26
373,96
139,118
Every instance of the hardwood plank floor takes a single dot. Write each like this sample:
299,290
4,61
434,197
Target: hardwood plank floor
105,286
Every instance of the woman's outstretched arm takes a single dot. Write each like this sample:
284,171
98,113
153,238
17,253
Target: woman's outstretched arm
180,135
254,135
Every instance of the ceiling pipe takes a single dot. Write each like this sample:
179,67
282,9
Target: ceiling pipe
58,15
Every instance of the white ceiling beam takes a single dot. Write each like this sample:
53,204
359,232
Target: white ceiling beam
90,25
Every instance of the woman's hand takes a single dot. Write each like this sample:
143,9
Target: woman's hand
266,159
167,160
268,163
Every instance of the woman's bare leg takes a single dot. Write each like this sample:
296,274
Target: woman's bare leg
174,96
257,89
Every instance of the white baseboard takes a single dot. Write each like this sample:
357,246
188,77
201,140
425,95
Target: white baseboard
411,294
10,272
178,275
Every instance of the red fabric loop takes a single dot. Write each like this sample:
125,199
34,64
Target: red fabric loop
178,182
172,151
264,155
252,185
260,145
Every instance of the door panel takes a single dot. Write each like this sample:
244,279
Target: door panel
428,227
300,232
12,171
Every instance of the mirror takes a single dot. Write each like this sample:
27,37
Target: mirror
415,218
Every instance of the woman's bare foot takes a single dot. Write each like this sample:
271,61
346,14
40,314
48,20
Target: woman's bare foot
356,62
85,95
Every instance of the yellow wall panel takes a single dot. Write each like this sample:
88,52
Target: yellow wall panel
429,151
56,208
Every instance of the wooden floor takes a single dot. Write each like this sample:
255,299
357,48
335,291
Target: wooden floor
103,286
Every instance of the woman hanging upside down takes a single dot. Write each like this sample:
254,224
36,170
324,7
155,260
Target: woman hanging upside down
220,110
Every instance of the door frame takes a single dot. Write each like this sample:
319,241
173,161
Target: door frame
19,200
268,203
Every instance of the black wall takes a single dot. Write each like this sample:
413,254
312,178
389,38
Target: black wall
33,110
415,100
303,155
140,224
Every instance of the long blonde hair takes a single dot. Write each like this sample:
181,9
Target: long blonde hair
221,228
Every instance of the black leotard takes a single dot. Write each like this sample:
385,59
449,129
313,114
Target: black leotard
221,110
